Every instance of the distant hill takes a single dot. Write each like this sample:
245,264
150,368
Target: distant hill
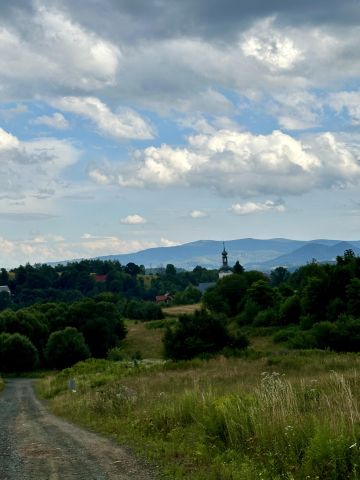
321,252
251,253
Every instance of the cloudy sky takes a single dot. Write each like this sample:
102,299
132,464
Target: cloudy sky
127,124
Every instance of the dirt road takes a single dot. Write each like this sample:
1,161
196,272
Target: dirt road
36,445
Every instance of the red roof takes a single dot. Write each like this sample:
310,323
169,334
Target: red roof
100,278
163,298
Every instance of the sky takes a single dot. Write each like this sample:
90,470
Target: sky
130,124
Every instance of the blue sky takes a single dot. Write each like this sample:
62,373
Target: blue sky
132,124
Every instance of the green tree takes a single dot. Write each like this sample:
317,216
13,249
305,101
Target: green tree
170,270
132,269
17,353
353,297
315,297
188,296
290,310
237,268
4,277
5,300
261,294
100,322
66,347
197,334
227,296
278,276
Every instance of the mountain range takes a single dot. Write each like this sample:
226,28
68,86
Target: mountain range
262,255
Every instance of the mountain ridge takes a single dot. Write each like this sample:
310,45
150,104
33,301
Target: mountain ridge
252,253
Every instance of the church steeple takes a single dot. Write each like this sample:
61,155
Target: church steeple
225,269
224,257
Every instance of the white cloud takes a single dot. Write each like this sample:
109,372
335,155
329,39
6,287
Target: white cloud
270,47
50,248
253,207
31,170
57,121
298,110
9,113
168,243
124,124
98,176
133,220
46,50
198,214
240,163
8,141
110,245
349,101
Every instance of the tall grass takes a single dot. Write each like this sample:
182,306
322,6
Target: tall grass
227,419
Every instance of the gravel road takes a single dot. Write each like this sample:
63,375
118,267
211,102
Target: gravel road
36,445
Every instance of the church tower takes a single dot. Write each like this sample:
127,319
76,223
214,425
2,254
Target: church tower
225,269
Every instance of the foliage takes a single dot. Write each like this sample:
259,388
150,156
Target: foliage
73,281
141,310
99,322
17,353
66,347
187,297
199,334
237,268
324,300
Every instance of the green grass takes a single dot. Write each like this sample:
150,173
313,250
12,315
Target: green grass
290,415
2,384
144,340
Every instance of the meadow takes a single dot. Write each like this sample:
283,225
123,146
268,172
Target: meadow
269,414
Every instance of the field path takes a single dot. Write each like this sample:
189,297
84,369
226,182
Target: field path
36,445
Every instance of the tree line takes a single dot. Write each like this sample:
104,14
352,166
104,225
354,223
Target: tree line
317,306
74,281
56,334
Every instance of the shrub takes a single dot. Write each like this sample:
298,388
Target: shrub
140,310
100,323
265,318
285,334
199,334
17,353
188,296
302,339
290,311
66,347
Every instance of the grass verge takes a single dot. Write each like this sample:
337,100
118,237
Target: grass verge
292,415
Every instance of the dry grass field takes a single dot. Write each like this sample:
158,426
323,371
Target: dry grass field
181,309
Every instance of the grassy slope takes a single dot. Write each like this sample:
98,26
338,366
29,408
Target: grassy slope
287,415
141,339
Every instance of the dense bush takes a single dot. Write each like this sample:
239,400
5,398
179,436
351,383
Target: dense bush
188,296
199,334
17,353
100,323
140,310
66,347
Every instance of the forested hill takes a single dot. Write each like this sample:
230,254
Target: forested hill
252,253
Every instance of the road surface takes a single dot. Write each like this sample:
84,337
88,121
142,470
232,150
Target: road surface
36,445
